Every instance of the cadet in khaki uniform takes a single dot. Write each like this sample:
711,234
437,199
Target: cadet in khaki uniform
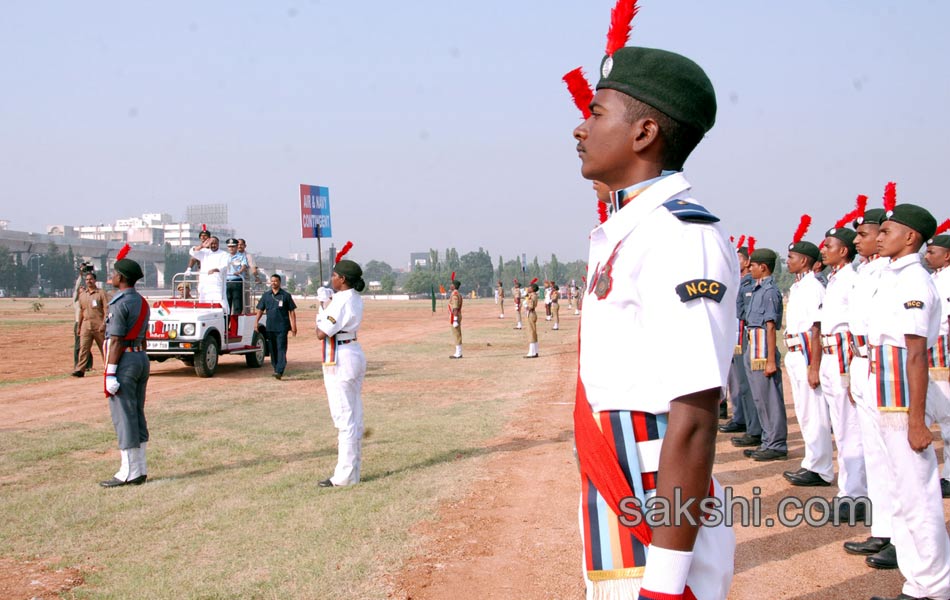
455,316
92,323
501,301
904,323
531,315
555,310
516,296
127,371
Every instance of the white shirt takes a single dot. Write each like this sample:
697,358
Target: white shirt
641,345
804,304
905,303
859,305
211,286
942,282
342,316
835,313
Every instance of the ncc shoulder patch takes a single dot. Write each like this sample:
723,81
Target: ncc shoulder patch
687,211
913,304
701,288
331,319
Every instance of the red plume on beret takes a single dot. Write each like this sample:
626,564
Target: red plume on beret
803,226
859,207
580,90
453,276
204,227
533,281
944,227
342,252
621,19
123,252
890,195
751,244
740,242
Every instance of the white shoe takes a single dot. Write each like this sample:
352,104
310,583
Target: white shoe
555,328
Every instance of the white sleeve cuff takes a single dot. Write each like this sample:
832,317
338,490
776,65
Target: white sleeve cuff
666,570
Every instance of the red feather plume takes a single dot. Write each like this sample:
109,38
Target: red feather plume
453,276
860,205
621,19
751,245
123,252
803,226
204,227
342,252
741,241
602,211
944,227
890,195
580,90
533,281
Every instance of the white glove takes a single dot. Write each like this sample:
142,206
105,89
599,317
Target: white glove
188,271
112,384
455,323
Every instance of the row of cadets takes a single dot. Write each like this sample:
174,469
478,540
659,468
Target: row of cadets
938,259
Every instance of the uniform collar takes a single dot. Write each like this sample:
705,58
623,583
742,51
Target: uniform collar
119,294
657,191
900,263
766,281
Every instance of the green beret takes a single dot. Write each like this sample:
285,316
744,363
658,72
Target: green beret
348,269
129,269
806,248
743,251
670,83
845,235
765,257
942,241
917,218
872,216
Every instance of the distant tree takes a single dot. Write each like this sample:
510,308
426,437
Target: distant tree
421,280
452,261
555,270
433,259
291,285
7,270
387,284
24,277
534,270
501,268
375,270
477,270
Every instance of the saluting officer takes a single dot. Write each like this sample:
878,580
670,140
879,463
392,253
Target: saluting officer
938,259
127,370
531,315
455,315
656,334
904,324
763,318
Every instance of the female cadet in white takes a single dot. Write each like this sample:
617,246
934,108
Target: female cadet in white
837,252
904,324
340,322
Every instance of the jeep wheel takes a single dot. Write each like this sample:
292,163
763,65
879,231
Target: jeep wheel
256,359
206,359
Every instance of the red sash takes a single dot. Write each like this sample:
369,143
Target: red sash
131,335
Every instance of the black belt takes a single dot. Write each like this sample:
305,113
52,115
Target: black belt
345,341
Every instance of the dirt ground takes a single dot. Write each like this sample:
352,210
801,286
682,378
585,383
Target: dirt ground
514,535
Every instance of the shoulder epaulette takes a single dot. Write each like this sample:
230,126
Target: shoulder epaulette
687,211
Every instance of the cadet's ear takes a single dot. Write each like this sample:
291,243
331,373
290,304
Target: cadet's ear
646,132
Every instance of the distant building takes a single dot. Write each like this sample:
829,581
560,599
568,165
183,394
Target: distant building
419,259
151,228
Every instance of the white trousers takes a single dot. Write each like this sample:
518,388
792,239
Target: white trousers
880,486
920,534
813,418
938,410
344,383
852,480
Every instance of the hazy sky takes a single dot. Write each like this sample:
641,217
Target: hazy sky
440,123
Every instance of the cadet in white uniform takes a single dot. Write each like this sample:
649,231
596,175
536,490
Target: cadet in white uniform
657,333
938,258
878,548
337,325
904,324
802,363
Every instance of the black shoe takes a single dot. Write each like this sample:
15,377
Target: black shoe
78,373
945,487
111,483
723,412
278,375
768,454
138,480
453,356
747,440
872,545
901,597
845,511
807,479
788,474
732,427
533,356
326,483
885,559
749,451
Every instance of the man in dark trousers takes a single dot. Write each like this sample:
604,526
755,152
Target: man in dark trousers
281,318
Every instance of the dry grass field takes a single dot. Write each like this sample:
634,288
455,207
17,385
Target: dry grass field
469,483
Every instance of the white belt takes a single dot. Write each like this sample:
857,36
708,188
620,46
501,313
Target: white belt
344,337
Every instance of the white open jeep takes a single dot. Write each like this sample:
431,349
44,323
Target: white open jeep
197,333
